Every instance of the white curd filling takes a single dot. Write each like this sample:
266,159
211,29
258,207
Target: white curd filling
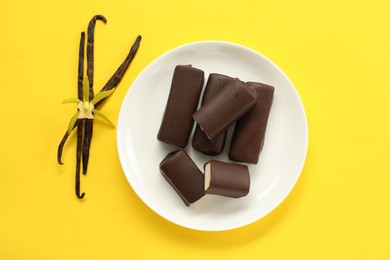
207,176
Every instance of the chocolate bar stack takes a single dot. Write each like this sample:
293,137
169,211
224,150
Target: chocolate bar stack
226,102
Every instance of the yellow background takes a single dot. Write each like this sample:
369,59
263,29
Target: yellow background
337,54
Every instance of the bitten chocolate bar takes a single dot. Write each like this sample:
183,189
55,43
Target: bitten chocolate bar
233,101
200,141
248,137
177,122
183,175
226,179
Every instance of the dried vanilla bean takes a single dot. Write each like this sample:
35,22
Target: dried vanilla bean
90,51
80,73
81,67
78,159
88,129
118,75
88,125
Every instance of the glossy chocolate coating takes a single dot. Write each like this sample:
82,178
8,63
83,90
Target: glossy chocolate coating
200,141
183,175
233,101
177,122
248,137
228,179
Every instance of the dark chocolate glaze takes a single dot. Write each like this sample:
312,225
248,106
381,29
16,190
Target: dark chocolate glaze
233,101
248,137
228,179
183,175
177,122
200,141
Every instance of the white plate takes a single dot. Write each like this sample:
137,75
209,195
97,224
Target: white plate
281,160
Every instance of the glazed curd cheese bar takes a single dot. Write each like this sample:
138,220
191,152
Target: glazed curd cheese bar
183,175
249,132
200,141
232,102
177,121
226,179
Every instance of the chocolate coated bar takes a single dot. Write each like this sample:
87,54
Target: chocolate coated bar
226,179
183,175
233,101
177,122
248,137
200,141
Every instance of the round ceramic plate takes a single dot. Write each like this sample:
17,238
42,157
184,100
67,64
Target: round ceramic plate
280,162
